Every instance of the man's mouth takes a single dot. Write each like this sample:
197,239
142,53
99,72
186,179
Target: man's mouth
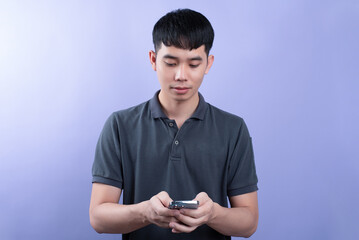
181,90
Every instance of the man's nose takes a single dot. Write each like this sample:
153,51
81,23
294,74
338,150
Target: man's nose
181,73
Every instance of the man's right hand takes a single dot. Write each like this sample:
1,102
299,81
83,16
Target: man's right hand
157,211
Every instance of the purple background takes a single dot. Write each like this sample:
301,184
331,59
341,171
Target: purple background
289,68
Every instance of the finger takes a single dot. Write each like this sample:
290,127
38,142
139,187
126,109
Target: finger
204,212
192,213
190,221
175,231
165,221
201,211
164,198
174,220
159,205
187,220
168,212
202,197
181,228
161,210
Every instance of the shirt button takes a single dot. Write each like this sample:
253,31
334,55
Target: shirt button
176,142
170,124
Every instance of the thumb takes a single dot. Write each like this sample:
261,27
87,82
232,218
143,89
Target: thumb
165,198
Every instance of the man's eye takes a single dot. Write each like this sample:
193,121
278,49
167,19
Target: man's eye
170,64
194,65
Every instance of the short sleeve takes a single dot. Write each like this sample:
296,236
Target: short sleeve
242,177
107,165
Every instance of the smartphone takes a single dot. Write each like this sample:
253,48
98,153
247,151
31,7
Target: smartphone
184,204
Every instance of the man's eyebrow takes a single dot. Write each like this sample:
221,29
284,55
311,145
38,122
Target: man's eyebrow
170,56
198,58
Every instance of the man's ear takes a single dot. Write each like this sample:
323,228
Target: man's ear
153,59
209,63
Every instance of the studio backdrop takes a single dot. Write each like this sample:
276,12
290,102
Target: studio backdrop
289,68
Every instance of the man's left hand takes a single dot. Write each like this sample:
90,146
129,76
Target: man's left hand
190,219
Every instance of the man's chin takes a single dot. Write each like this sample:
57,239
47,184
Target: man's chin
184,97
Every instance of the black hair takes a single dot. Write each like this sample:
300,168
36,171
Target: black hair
183,28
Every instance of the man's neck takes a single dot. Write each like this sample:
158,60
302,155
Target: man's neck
180,111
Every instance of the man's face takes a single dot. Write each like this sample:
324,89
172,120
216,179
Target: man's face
180,71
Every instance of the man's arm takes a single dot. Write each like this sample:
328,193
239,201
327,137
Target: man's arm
108,216
240,220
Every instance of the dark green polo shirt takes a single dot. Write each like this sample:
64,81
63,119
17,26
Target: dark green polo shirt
142,151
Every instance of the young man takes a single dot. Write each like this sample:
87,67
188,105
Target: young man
175,147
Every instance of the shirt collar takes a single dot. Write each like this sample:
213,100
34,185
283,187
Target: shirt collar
156,109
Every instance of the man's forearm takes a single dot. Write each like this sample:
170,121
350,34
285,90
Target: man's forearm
237,221
118,218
